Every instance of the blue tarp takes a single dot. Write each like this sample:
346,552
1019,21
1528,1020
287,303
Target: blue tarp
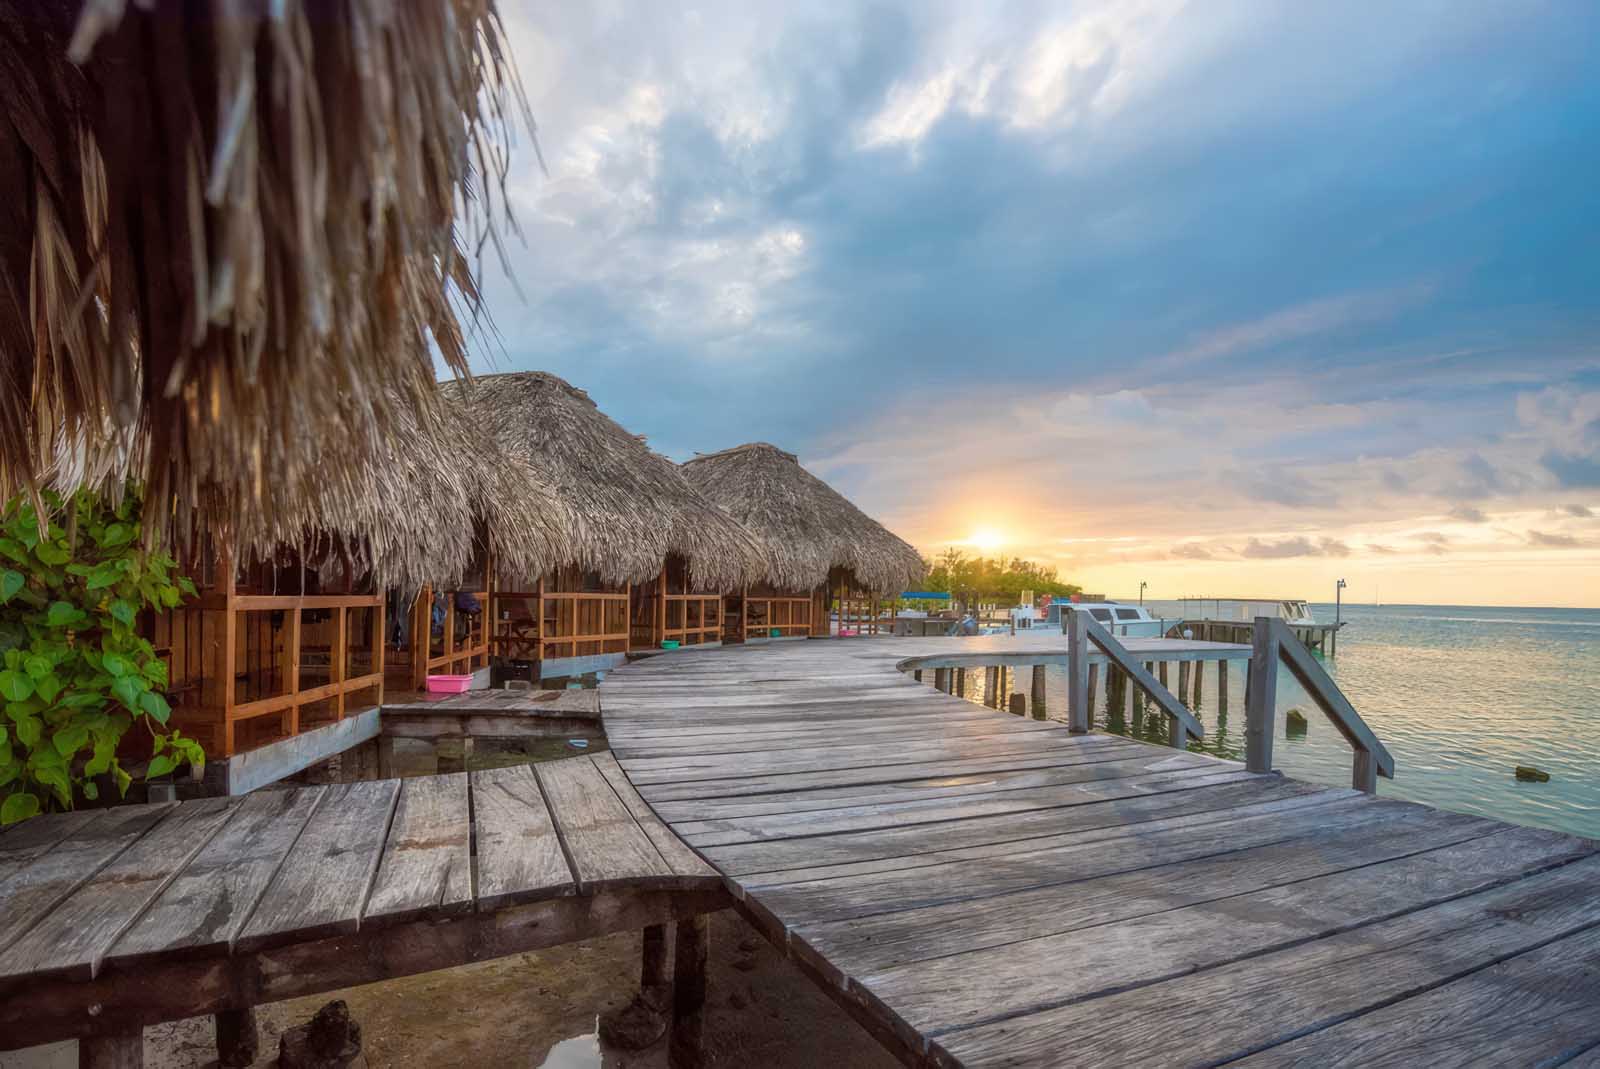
923,595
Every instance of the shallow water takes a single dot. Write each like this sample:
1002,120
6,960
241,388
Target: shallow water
1460,695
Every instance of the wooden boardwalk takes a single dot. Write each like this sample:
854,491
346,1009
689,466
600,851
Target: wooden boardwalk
117,918
983,889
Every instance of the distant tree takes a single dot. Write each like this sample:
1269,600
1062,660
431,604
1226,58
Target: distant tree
972,579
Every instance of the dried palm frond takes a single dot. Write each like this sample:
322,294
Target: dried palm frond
626,508
231,234
806,526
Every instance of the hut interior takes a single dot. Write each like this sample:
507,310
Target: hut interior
671,607
569,613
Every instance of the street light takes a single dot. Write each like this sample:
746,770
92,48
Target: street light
1142,585
1338,591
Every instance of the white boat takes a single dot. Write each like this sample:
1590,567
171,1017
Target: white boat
1243,610
1120,618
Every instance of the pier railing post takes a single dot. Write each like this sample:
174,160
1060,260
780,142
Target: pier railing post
1261,698
1038,684
1077,674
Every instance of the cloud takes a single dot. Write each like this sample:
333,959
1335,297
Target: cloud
1582,512
1437,538
1468,514
1300,546
1554,540
1191,551
1573,471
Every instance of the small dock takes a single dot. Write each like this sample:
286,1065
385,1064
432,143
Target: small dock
985,889
1324,638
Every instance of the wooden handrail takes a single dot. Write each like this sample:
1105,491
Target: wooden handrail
1274,643
1081,630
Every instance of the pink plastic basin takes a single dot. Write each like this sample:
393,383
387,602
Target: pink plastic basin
449,684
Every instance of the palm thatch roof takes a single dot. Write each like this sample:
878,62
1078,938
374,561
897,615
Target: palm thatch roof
808,527
626,507
230,234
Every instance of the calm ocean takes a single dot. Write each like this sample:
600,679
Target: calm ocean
1460,695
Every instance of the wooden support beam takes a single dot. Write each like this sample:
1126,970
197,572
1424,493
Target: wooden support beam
686,1046
991,687
1019,704
1038,688
1222,688
1199,682
238,1040
655,979
1094,689
1077,674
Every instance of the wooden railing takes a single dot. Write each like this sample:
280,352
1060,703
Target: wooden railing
693,619
583,624
1083,629
1273,643
460,652
789,616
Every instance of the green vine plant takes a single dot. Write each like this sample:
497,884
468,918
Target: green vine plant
77,674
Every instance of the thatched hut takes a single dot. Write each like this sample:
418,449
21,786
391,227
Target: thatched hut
646,557
822,552
230,235
375,583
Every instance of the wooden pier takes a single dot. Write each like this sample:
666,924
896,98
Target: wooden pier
1324,638
979,888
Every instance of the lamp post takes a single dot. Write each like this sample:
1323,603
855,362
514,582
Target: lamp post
1338,592
1142,585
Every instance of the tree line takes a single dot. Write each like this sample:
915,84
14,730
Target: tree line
969,580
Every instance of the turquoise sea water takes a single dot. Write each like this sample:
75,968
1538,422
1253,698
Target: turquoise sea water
1460,695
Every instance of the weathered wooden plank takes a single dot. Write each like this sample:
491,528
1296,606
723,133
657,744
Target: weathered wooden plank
867,733
933,997
426,869
1048,862
807,807
519,854
605,843
673,850
323,884
1104,765
1538,1008
21,843
203,909
1090,746
884,849
1117,880
1293,991
49,877
703,834
70,940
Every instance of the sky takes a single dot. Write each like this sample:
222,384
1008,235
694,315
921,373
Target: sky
1230,297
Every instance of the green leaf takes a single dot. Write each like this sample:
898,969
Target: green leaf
155,670
15,550
186,585
122,779
69,740
160,766
127,689
104,575
155,705
115,664
15,686
28,731
122,612
47,688
55,777
37,667
52,553
104,751
90,790
10,768
83,700
61,614
10,583
18,806
118,534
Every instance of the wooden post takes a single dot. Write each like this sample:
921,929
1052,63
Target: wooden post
377,645
1364,772
122,1051
1199,677
1222,688
1183,680
961,683
1077,674
447,759
386,757
686,1047
941,680
1094,686
654,980
1262,697
1038,692
1019,704
917,675
991,687
237,1038
1163,670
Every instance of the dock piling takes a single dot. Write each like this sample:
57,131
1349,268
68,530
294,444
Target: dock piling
1038,692
686,1046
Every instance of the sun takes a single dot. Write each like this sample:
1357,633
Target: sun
987,539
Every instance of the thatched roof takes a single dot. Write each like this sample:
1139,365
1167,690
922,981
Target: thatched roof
230,233
626,507
807,526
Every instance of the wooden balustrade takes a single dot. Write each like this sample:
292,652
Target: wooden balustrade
1274,643
1082,629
